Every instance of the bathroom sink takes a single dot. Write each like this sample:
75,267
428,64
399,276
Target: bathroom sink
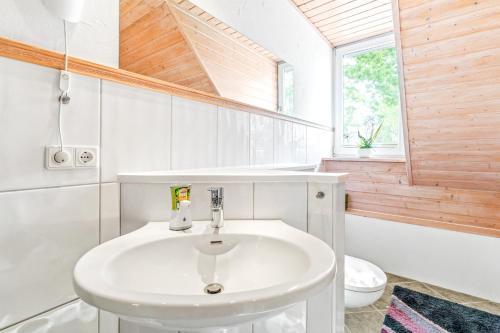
204,277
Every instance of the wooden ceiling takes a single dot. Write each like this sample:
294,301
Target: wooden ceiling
346,21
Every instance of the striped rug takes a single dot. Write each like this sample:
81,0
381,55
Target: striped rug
414,312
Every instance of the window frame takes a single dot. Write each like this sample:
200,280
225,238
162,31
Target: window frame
381,150
282,67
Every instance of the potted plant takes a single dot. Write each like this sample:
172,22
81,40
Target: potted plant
365,145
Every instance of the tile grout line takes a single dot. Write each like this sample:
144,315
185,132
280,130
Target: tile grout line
100,167
50,187
171,131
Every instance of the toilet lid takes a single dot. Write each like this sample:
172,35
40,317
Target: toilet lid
363,276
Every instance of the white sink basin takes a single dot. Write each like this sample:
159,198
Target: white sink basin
157,277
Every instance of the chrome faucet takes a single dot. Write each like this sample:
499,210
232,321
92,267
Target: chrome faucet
217,206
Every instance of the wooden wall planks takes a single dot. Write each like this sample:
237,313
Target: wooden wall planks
451,61
237,70
380,189
152,44
178,42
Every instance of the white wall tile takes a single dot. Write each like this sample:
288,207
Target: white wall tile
194,134
136,129
283,142
42,235
29,121
238,201
75,317
261,140
110,211
233,139
142,203
285,201
319,144
299,143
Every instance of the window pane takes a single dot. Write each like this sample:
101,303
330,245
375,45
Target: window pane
371,96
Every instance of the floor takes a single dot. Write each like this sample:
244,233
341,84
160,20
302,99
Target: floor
369,319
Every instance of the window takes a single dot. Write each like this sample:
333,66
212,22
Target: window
367,96
285,88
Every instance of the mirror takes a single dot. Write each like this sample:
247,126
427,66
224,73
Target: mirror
178,42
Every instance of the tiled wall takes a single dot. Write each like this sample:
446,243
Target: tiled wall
50,218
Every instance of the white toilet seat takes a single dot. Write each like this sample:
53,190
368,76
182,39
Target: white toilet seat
363,276
364,282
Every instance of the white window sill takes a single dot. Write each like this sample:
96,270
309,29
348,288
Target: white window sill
354,158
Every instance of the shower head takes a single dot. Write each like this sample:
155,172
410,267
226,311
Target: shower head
68,10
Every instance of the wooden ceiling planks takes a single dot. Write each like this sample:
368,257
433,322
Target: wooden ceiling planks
451,58
345,21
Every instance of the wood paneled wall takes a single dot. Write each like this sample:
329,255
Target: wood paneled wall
451,61
380,189
236,70
177,42
152,44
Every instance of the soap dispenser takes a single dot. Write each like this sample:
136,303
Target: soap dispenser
182,220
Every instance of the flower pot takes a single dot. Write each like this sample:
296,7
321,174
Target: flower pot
364,152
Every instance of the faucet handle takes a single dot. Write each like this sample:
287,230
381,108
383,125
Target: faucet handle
216,196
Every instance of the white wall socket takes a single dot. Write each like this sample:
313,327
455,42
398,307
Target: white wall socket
75,157
66,163
86,157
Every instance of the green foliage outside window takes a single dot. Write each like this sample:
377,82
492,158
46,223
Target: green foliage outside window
371,96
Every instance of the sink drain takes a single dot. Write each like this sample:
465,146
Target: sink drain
214,288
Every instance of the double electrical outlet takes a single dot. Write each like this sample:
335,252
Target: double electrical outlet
70,157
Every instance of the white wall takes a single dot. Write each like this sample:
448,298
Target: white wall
279,27
454,260
50,218
95,38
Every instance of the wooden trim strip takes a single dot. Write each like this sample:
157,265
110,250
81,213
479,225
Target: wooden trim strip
404,114
47,58
427,223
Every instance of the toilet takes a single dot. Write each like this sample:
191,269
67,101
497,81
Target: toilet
364,282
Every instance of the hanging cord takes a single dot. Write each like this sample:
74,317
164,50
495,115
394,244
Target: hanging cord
63,98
